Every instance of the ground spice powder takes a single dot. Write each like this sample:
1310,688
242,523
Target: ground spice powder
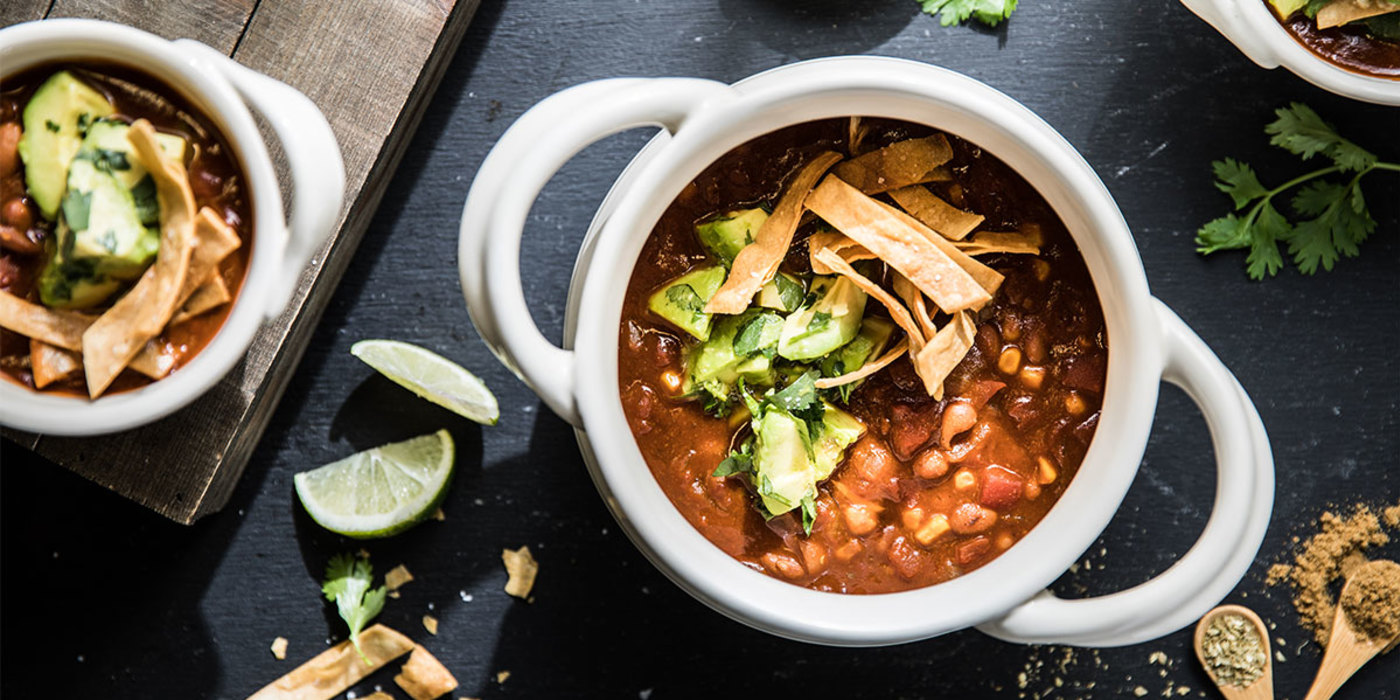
1336,550
1371,601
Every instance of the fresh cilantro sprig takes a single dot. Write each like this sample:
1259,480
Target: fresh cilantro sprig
1331,215
347,585
951,12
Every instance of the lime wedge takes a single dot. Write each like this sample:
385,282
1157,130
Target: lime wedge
381,491
431,376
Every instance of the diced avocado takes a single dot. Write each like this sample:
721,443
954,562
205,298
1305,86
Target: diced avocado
782,473
840,430
682,301
101,223
108,147
874,334
74,285
55,121
826,324
726,234
783,293
738,346
1286,8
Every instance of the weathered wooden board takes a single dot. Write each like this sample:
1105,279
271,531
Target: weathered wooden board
371,66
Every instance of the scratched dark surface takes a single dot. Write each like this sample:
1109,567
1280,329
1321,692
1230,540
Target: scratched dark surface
100,598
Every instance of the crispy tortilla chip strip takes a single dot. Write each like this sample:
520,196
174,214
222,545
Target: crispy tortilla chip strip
521,568
759,261
50,363
424,677
900,164
914,299
1344,11
839,243
334,670
214,240
886,232
53,326
206,297
855,133
898,313
949,221
866,369
111,342
988,278
944,352
1027,241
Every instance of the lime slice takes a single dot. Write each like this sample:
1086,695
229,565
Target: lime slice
381,491
431,376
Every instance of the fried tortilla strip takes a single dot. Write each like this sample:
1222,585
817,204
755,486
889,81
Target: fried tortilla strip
1027,241
757,262
944,352
898,313
206,297
886,232
900,164
985,276
838,243
334,670
111,342
949,221
1342,12
214,240
914,299
53,326
50,363
866,369
855,133
522,568
424,677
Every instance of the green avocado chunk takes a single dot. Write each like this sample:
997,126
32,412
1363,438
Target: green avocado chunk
738,347
101,223
74,284
682,301
869,342
784,471
825,324
55,121
727,234
783,293
107,145
840,430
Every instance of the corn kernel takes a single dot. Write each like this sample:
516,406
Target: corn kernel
1042,270
1010,360
671,379
964,480
1048,473
933,529
848,550
1011,328
912,518
1074,403
1032,377
1005,540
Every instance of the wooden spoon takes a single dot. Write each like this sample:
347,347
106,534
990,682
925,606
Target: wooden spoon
1347,651
1263,687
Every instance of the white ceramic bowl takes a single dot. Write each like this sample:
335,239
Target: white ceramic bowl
219,88
703,120
1251,26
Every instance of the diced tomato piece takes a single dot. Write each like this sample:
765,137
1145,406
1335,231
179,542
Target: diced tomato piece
1085,373
982,391
910,429
906,558
972,550
1001,489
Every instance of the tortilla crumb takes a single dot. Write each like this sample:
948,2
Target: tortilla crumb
502,677
430,623
439,516
423,677
522,569
1140,691
397,577
279,648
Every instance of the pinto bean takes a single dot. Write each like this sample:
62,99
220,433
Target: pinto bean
971,519
783,564
10,133
16,213
861,519
958,418
931,464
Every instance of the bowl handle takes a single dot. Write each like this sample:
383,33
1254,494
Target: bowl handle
313,160
506,184
1244,497
1228,18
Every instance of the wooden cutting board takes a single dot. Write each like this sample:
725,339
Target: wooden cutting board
371,66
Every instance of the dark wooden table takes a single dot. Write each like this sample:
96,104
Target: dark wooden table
104,599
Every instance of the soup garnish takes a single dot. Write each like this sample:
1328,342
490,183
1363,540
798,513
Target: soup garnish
123,232
861,355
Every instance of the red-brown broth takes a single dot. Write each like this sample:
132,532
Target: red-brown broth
216,179
1047,308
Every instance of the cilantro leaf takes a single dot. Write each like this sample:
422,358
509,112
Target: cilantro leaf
951,12
809,512
739,461
1335,218
1300,131
347,585
757,334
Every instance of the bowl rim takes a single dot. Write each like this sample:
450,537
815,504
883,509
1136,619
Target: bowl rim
686,556
49,41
